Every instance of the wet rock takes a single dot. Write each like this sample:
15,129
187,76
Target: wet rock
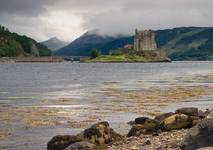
141,120
137,130
144,125
81,146
147,123
163,116
199,136
190,111
175,122
101,134
61,142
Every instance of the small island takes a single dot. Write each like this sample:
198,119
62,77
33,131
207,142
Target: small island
144,49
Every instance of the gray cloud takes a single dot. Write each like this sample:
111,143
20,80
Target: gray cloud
43,18
25,7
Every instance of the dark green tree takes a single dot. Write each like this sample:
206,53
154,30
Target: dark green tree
94,53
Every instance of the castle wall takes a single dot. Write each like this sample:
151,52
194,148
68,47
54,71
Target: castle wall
144,40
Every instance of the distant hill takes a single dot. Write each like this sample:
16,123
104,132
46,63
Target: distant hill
55,43
184,43
83,45
12,44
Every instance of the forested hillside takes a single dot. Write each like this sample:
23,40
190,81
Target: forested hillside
12,44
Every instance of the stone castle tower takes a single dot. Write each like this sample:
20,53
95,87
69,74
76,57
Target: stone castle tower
144,40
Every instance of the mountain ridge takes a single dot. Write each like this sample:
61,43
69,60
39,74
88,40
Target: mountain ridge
182,43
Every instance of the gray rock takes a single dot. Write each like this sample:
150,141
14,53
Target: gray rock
190,111
81,146
199,136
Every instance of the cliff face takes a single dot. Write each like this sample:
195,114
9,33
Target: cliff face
12,44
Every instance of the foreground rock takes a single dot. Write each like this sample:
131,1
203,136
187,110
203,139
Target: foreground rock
144,125
98,135
81,146
175,122
162,117
199,136
190,111
164,132
61,142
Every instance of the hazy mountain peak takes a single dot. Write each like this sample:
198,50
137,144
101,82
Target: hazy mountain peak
54,43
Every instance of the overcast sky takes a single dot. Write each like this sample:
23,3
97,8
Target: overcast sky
68,19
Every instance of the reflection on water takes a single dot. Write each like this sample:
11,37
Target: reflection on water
38,101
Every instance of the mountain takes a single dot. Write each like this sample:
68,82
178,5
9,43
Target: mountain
187,43
83,45
54,43
183,43
12,44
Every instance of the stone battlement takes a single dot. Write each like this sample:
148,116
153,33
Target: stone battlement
144,40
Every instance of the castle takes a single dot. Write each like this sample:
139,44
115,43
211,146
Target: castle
144,40
144,45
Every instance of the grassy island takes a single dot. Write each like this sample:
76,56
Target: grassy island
123,58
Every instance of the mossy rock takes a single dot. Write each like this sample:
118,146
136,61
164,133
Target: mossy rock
101,134
176,122
161,117
144,125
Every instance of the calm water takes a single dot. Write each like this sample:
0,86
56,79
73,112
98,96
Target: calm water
26,85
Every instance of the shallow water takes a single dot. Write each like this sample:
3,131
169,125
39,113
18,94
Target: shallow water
38,101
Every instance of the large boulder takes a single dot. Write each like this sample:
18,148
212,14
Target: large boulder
138,129
176,122
190,111
147,122
144,125
162,117
199,136
81,146
100,134
60,142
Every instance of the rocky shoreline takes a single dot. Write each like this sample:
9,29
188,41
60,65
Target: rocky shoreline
47,59
184,129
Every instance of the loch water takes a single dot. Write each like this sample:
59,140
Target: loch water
78,91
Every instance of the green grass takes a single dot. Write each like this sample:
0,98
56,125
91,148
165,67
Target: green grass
121,58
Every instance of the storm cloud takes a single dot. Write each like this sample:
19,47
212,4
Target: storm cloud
68,19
